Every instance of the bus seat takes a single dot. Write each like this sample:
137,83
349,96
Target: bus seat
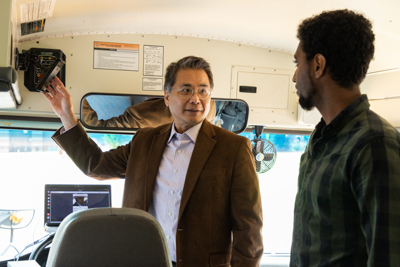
109,237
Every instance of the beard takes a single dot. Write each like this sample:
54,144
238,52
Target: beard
308,102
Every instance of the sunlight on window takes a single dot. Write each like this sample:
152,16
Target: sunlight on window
278,188
31,159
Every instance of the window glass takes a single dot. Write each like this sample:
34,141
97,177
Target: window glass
31,159
278,188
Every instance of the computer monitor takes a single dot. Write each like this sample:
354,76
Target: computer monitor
62,200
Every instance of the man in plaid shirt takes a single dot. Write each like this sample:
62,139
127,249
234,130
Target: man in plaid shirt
347,209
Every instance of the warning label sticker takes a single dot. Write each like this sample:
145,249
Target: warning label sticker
116,56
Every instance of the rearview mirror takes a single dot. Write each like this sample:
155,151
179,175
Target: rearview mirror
132,112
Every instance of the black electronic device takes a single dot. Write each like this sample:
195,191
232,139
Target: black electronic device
50,73
36,61
61,200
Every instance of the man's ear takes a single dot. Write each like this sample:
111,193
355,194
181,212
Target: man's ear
319,65
166,98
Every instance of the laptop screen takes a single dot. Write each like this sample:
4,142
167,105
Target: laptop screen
61,200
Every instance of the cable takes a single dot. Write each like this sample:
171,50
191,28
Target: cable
34,231
32,244
35,254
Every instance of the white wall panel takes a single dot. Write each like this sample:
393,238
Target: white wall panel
383,90
82,78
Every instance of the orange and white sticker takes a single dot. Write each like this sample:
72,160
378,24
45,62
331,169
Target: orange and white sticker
116,56
106,45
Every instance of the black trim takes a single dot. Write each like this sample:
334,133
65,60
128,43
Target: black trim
29,118
250,129
53,130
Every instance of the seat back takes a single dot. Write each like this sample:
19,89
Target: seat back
109,237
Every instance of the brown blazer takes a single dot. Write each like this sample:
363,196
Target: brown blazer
220,216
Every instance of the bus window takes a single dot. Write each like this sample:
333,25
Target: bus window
30,159
278,188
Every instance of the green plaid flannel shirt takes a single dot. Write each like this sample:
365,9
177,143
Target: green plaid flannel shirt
347,208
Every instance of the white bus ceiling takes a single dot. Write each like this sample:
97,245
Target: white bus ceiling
245,41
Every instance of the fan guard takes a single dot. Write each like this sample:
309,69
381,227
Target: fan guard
264,154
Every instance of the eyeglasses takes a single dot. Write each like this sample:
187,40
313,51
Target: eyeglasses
187,93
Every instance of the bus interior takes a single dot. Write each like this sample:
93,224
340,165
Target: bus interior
113,54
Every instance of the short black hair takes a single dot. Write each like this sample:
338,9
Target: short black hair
189,62
344,38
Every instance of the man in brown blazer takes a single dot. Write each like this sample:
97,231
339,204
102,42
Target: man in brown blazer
197,179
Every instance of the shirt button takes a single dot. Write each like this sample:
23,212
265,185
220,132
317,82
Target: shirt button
168,236
169,214
175,171
172,192
179,151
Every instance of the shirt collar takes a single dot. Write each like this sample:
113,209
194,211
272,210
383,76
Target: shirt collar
344,117
192,132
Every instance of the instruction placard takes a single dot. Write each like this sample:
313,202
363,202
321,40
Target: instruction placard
152,84
153,60
116,56
37,10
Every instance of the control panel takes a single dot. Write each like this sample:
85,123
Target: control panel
36,62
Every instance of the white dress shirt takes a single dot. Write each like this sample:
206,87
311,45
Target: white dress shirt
171,177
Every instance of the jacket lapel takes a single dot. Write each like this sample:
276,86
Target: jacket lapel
202,150
153,162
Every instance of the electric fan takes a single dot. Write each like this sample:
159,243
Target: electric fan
264,152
